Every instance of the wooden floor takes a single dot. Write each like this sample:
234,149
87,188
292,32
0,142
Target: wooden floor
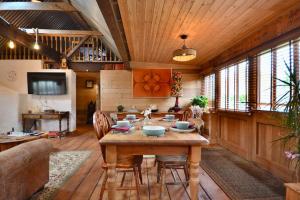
86,182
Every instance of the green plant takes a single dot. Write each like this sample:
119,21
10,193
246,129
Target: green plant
201,101
120,108
291,120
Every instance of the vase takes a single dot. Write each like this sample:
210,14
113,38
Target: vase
176,107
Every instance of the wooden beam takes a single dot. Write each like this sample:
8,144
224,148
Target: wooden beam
62,32
42,6
12,33
72,51
111,13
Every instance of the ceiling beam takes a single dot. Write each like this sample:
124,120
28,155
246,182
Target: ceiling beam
13,33
111,13
38,6
62,32
72,51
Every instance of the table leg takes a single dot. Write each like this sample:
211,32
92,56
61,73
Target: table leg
195,158
68,124
111,160
23,120
59,125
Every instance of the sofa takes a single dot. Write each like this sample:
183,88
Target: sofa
24,169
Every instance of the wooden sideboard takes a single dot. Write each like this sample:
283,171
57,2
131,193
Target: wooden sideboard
178,115
48,116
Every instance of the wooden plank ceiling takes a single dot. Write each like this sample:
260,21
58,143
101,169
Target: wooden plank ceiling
152,27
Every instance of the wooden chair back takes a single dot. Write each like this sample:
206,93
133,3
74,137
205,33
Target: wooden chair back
102,127
187,114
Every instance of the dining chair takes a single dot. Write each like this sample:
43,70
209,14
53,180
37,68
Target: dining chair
174,162
187,114
102,125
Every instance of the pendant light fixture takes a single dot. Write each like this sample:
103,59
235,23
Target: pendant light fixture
184,54
36,45
11,44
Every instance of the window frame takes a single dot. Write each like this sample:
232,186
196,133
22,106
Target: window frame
293,45
236,86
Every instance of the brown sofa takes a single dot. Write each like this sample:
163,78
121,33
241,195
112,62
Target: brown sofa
24,169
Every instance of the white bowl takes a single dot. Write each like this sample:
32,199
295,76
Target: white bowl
123,123
182,124
170,117
131,117
154,130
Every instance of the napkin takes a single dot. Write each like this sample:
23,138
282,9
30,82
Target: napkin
122,129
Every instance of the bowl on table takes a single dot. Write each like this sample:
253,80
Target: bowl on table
123,123
131,117
169,117
182,124
154,130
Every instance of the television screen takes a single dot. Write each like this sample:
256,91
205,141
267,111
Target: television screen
41,83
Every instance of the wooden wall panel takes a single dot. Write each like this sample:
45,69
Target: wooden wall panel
252,136
269,153
233,133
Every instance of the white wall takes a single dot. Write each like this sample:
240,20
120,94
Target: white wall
37,102
9,109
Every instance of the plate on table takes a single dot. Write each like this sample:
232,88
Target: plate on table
115,129
169,120
189,130
133,120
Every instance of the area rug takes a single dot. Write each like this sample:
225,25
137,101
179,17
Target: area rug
62,165
239,178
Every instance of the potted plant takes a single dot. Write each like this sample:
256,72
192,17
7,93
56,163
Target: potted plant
291,119
201,101
120,108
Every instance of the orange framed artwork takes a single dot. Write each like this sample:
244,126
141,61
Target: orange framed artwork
154,83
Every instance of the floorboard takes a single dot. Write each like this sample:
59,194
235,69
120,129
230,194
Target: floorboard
86,182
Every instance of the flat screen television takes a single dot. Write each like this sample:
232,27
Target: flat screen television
41,83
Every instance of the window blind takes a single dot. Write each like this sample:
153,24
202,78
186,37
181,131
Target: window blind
234,86
209,90
265,80
272,67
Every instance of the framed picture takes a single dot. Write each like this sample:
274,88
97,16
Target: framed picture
151,83
89,84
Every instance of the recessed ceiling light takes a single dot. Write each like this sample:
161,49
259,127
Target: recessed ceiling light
11,44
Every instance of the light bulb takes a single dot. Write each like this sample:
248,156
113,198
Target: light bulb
36,46
11,44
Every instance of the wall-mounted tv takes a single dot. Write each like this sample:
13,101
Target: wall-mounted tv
41,83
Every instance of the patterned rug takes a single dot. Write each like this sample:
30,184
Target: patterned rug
239,178
62,165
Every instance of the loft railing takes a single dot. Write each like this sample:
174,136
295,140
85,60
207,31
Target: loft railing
92,50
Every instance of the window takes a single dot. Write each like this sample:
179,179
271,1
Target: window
272,69
209,89
234,87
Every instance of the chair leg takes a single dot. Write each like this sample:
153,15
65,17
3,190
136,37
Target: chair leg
103,185
137,185
162,184
158,171
123,178
186,172
140,174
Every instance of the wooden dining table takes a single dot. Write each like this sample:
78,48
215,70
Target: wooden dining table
136,143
